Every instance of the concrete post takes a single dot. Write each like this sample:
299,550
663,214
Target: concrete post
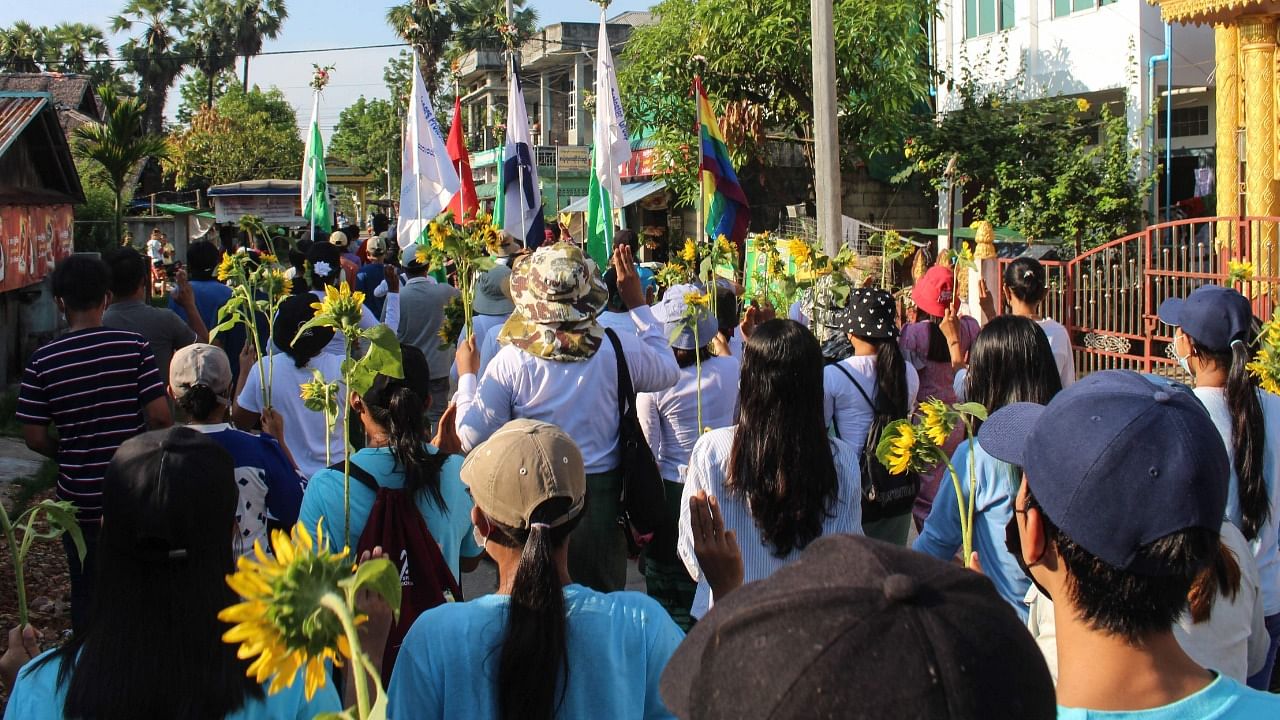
826,183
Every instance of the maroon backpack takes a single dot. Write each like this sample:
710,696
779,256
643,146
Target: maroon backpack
396,525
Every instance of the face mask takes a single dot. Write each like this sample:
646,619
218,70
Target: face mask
1184,362
1013,543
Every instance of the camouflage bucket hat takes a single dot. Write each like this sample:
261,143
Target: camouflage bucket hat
557,285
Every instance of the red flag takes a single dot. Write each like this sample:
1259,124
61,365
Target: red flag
464,203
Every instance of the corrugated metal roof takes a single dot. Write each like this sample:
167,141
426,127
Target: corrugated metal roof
16,112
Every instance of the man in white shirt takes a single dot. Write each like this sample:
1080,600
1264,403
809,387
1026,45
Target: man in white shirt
557,366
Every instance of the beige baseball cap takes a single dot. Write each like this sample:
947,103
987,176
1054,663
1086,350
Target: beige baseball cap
200,364
521,466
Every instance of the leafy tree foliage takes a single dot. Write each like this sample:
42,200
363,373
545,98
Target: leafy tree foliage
118,146
367,136
244,136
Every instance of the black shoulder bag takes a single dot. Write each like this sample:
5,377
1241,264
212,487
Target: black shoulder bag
884,495
644,498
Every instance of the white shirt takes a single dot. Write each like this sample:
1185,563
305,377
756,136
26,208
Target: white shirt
844,406
1060,344
709,470
155,249
1266,547
619,322
580,397
670,417
485,329
304,429
338,345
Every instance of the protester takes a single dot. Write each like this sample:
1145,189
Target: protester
164,330
875,380
325,260
1123,493
1212,343
616,315
1025,287
558,366
152,647
1010,362
863,630
704,397
422,303
347,261
543,646
269,483
780,480
928,349
648,281
203,258
396,455
298,362
97,388
372,274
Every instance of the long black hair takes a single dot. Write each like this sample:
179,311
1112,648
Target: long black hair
398,406
1010,362
152,646
781,460
891,378
938,349
1248,432
533,663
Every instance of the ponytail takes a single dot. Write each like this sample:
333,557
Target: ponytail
533,663
199,402
891,379
938,346
1248,434
396,408
1220,576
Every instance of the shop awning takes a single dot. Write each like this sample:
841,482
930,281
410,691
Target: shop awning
631,194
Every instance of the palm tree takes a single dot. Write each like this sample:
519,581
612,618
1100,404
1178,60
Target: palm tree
427,25
21,45
211,37
156,53
476,23
256,21
74,44
120,143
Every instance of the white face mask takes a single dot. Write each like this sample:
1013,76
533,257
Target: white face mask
1184,361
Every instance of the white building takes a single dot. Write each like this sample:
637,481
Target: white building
1099,50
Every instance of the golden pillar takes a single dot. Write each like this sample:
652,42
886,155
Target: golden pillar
1257,53
1227,111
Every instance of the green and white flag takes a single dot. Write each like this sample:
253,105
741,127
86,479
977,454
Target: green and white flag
612,148
315,182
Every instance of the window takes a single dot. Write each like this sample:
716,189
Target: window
1187,122
1062,8
983,17
571,123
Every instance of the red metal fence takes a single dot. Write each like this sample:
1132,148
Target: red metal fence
1108,297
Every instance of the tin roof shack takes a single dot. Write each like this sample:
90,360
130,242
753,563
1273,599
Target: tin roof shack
39,186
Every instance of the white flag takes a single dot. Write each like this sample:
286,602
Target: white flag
428,179
520,209
613,145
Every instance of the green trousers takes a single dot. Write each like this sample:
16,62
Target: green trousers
598,548
891,530
665,577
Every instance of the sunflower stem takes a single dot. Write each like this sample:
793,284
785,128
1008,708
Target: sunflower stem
966,539
973,491
17,557
335,604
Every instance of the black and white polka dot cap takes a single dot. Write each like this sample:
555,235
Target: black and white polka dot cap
870,313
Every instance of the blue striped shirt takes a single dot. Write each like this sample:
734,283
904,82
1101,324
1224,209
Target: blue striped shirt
92,386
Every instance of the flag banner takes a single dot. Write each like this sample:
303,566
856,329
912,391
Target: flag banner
727,211
315,181
518,209
464,203
612,149
428,178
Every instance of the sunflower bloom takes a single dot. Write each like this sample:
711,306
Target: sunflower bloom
800,251
225,267
899,456
697,299
280,621
438,233
690,251
341,304
937,425
268,259
1082,105
1239,271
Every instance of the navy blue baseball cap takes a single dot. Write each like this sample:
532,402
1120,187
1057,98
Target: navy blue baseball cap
1215,316
1117,462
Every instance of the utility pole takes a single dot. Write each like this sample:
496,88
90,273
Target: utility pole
826,162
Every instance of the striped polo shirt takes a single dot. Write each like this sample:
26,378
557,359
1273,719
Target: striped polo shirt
92,386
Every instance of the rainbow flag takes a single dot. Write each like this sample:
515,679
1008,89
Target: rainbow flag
726,207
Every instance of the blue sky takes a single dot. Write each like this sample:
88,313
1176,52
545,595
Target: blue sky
311,24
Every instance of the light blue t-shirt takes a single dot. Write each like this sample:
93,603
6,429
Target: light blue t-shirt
451,526
37,696
1222,699
618,645
992,509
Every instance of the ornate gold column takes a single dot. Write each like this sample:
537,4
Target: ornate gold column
1227,118
1258,52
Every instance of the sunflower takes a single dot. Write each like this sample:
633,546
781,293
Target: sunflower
319,396
421,256
697,299
268,259
275,284
690,251
800,251
1082,105
439,233
281,622
937,422
898,455
226,267
341,304
1239,271
724,247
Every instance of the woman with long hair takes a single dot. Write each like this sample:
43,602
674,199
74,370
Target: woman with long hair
931,352
153,645
781,481
542,646
1025,287
875,381
1010,362
1215,331
706,396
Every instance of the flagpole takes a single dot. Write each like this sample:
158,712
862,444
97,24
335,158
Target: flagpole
702,195
417,170
315,114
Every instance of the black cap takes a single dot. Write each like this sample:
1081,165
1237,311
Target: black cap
858,628
294,312
168,495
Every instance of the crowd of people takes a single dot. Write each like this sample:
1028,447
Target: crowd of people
1126,561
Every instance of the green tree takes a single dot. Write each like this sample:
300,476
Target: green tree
755,62
368,137
439,29
244,136
73,45
194,90
256,21
22,45
118,145
211,38
156,55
